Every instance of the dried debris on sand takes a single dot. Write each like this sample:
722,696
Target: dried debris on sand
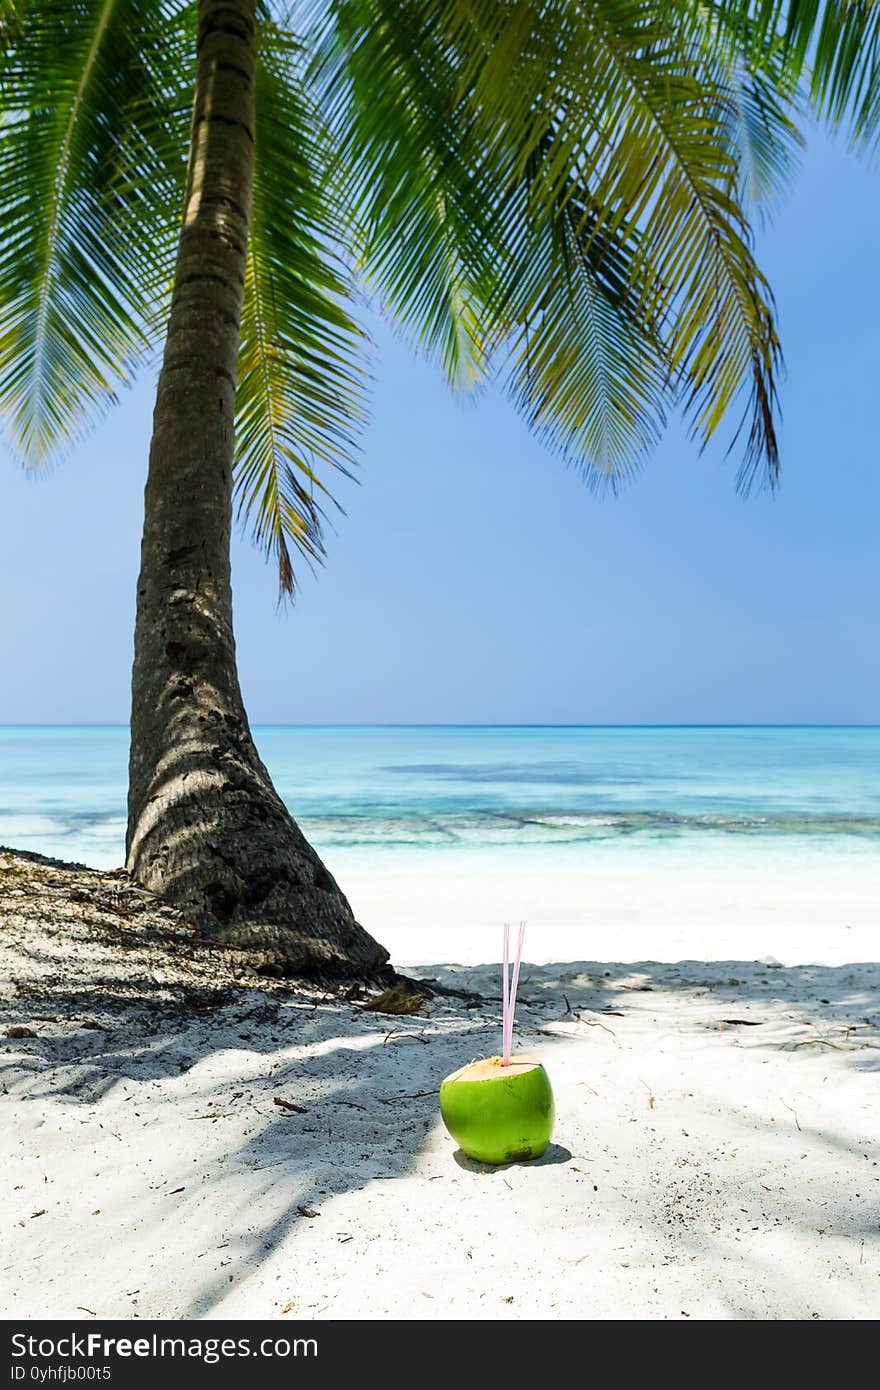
118,944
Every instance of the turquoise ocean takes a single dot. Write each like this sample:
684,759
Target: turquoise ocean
387,797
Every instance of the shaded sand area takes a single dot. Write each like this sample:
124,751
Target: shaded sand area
717,1150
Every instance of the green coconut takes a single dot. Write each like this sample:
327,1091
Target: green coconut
499,1114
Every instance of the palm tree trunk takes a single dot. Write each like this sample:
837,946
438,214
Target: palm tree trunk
206,828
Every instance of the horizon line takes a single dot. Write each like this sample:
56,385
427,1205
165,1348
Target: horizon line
477,724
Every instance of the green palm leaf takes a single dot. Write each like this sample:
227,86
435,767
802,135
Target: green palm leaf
416,210
453,248
831,46
90,141
766,140
555,191
300,392
524,112
588,374
623,102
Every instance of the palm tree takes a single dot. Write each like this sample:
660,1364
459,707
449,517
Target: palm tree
557,191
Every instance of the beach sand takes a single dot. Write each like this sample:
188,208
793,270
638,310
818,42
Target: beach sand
716,1152
811,908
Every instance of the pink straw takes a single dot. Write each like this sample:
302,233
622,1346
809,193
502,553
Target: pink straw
509,992
505,990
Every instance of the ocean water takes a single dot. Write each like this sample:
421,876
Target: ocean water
539,798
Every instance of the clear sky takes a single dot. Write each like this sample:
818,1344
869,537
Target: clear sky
475,579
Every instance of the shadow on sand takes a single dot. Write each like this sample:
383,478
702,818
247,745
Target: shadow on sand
215,1062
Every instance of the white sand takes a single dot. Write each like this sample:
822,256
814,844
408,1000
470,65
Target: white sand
701,1168
745,911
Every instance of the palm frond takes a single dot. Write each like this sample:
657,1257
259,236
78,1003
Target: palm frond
764,134
450,240
10,20
831,46
618,101
560,187
588,375
83,221
300,391
417,213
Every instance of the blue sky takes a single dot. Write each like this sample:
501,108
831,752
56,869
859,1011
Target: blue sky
474,577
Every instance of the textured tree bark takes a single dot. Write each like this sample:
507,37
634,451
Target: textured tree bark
206,828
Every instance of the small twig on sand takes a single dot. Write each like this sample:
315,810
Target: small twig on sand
289,1105
826,1042
650,1091
435,987
594,1023
395,1037
393,1100
793,1111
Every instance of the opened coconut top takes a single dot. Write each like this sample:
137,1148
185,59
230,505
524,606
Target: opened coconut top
492,1069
